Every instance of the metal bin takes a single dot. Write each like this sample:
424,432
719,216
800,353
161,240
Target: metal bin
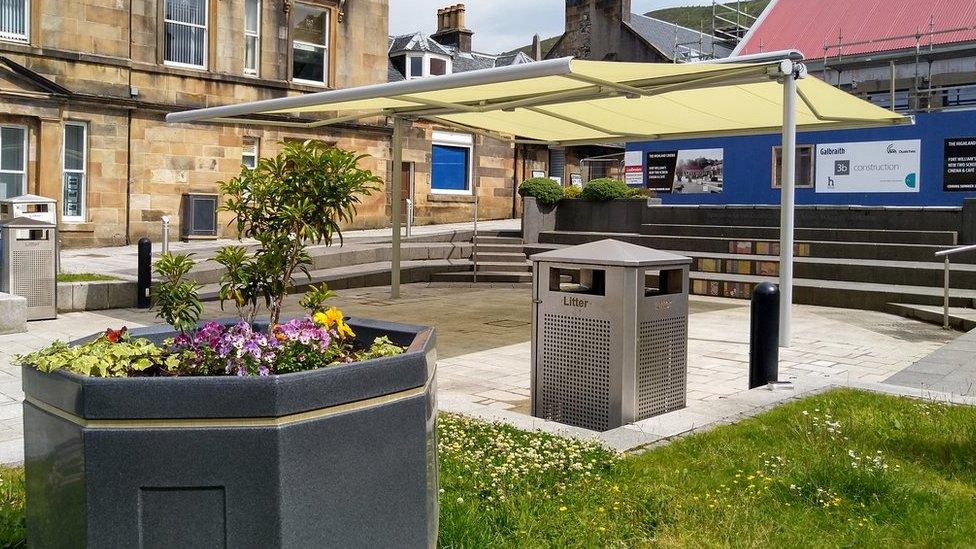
29,264
610,334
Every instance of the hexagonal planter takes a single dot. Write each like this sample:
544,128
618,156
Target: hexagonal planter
338,457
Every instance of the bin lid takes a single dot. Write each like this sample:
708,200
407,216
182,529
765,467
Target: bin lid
612,253
28,199
26,223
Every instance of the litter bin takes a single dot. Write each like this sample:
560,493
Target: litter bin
30,206
610,334
29,261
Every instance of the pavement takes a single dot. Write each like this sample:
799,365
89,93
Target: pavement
121,261
483,335
949,369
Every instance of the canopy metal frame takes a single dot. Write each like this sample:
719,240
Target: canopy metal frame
586,88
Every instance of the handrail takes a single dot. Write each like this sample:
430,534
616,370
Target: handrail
946,254
957,250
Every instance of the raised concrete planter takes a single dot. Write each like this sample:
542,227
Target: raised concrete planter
536,218
13,314
339,457
96,296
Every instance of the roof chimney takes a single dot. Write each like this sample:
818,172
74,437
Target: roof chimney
451,30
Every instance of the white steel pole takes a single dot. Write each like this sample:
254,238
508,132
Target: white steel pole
787,203
396,182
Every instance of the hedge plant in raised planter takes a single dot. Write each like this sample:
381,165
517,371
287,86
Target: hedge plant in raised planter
604,189
543,189
310,432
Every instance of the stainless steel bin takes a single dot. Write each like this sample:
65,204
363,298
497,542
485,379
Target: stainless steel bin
610,334
29,264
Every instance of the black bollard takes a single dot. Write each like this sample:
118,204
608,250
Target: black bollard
764,336
143,300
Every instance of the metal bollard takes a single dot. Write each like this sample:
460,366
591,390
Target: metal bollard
165,221
764,336
143,300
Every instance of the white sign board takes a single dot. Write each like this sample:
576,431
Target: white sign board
634,168
869,167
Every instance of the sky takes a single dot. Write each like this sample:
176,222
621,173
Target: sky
502,25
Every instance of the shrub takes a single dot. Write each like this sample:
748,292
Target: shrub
572,192
601,190
543,189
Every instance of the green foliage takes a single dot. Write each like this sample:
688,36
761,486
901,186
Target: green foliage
601,190
641,194
13,520
245,280
382,347
572,192
301,195
97,358
85,277
543,189
315,298
176,295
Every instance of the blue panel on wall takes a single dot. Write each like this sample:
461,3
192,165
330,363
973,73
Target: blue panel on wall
449,168
748,163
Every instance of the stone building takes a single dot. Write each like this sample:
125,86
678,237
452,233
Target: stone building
85,84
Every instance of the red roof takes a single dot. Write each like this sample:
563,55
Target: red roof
806,25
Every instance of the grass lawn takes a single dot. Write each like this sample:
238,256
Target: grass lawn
85,277
844,468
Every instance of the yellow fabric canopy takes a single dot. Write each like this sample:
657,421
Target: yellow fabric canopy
567,101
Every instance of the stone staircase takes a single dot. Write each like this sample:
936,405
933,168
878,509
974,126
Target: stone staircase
891,271
497,257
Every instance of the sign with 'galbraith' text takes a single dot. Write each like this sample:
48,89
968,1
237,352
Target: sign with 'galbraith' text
869,167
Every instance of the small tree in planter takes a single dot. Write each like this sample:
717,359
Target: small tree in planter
135,437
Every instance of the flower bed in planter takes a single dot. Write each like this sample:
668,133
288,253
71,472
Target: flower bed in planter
341,456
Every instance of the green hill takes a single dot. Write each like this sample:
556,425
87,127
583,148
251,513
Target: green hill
700,17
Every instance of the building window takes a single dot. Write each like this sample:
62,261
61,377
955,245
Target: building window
186,33
14,16
959,96
804,167
252,36
438,67
310,45
423,66
13,161
250,156
883,100
451,163
74,180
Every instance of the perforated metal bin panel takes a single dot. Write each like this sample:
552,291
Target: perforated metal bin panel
575,376
662,366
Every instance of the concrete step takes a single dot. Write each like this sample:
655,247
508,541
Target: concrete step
496,266
487,276
960,318
500,257
938,238
911,273
502,248
491,239
847,250
831,293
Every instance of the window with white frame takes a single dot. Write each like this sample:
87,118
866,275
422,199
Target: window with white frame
13,161
250,155
310,44
14,18
451,163
252,36
186,33
423,66
75,178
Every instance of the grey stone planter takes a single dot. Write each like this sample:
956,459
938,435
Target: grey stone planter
339,457
536,218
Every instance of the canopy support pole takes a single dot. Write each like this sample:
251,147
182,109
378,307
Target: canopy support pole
396,184
787,202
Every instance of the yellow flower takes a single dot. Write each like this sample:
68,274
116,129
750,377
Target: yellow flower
334,318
